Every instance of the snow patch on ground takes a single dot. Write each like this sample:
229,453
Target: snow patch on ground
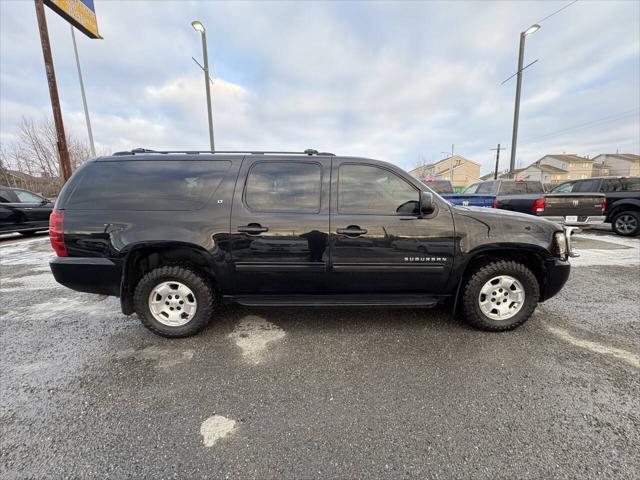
622,257
624,355
33,252
253,335
215,428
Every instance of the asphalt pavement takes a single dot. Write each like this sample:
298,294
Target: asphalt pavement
87,392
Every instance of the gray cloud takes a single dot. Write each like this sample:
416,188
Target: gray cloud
397,81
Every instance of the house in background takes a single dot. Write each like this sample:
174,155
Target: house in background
619,164
576,167
547,174
465,171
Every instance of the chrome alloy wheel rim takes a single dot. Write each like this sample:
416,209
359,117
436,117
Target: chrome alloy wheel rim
626,223
172,303
501,298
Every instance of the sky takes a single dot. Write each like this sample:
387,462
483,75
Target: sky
396,81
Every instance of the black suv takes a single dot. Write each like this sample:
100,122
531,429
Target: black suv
176,234
622,200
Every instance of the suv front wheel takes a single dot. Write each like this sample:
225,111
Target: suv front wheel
500,296
174,301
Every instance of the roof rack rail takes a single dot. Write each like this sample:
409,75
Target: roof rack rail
138,151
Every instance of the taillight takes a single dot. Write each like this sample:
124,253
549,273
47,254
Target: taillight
495,203
604,204
56,232
538,206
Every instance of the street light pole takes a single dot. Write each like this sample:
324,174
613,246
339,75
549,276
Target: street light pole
84,96
199,27
516,114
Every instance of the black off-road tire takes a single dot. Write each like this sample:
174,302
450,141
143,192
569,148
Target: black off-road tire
627,214
202,289
471,293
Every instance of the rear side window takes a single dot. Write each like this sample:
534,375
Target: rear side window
284,187
512,188
534,187
5,196
472,188
631,184
611,185
147,185
587,186
485,188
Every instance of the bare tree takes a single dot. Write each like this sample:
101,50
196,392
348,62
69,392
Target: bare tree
31,161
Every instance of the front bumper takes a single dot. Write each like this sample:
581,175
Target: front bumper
87,274
557,274
580,221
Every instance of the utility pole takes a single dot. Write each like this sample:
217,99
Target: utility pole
495,175
84,97
63,152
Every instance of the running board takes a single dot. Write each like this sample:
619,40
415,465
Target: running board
382,300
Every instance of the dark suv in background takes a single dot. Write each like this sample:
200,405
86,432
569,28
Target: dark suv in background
623,200
176,234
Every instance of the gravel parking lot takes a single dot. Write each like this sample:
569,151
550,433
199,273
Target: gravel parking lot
322,393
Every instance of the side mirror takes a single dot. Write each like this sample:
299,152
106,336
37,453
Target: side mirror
426,202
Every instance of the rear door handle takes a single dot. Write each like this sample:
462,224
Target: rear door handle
253,229
352,231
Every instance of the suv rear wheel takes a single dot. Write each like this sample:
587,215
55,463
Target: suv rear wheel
626,223
174,301
500,296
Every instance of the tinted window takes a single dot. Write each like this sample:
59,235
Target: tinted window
631,184
611,185
512,188
534,187
369,190
27,197
564,188
4,196
440,186
587,186
284,187
472,188
485,188
147,185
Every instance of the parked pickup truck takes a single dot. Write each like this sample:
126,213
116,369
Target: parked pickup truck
175,235
525,196
623,200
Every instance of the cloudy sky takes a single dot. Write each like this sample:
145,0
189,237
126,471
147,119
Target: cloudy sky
395,81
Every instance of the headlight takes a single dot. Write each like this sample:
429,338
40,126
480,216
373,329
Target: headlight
561,244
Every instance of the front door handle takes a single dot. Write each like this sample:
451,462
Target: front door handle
253,229
352,231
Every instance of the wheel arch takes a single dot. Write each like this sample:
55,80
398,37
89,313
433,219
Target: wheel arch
144,257
621,206
531,256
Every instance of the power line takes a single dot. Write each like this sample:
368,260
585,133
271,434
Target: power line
592,123
557,11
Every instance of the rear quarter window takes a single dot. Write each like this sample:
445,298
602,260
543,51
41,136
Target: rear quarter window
147,185
512,188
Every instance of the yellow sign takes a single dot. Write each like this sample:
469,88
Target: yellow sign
80,13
